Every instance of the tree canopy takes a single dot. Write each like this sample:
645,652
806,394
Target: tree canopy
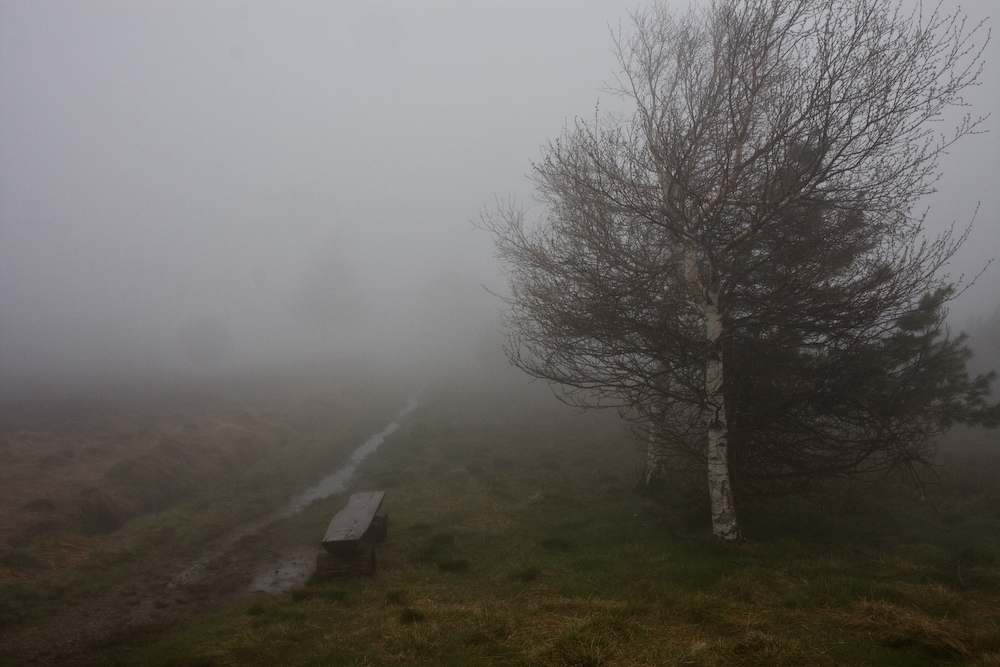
736,264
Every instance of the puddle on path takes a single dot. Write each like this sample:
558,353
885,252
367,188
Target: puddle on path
292,568
285,570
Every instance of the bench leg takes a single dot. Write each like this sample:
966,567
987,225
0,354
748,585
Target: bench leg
359,562
378,530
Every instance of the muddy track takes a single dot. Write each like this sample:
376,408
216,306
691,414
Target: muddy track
158,601
223,575
149,602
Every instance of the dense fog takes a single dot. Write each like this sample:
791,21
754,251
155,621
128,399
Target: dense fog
188,186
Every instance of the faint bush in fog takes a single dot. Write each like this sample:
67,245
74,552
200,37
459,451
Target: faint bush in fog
984,339
204,340
327,293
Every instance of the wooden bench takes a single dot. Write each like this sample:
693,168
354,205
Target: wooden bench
351,536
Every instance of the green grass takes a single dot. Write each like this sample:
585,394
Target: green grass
515,539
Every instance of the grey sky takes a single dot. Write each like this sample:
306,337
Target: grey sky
302,174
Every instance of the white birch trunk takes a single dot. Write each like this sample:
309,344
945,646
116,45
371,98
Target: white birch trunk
724,524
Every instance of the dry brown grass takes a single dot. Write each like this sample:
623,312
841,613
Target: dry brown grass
70,473
896,626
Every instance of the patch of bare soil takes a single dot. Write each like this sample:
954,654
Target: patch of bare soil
285,570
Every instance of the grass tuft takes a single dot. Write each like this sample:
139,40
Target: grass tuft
256,608
755,642
580,647
526,574
99,512
453,565
978,555
894,626
557,544
408,616
396,597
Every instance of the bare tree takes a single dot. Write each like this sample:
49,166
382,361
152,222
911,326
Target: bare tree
736,265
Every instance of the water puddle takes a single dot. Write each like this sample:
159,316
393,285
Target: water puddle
284,571
292,568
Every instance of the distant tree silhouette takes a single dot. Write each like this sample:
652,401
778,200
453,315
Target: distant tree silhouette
984,339
204,340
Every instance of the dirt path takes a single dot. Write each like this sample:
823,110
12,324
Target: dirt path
223,575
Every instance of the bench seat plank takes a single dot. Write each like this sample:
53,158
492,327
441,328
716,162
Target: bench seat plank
352,521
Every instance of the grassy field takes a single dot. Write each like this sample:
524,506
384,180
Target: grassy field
516,538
